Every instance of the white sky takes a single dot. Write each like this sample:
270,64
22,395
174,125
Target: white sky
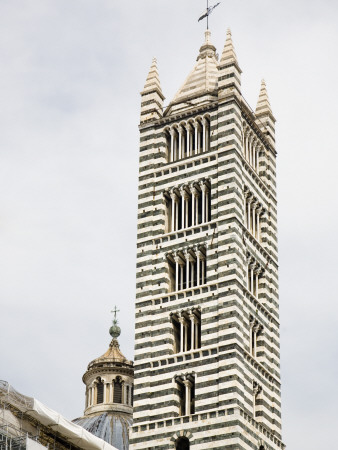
70,76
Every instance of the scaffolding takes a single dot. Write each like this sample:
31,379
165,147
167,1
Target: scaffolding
52,430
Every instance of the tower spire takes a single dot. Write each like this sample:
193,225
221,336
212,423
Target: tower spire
263,104
228,54
229,71
152,96
265,118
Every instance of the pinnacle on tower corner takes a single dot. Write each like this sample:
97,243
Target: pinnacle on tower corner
152,95
228,54
229,78
263,104
265,118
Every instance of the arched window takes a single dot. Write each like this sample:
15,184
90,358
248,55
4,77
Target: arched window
182,444
117,391
99,390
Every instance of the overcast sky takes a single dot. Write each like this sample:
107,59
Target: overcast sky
70,76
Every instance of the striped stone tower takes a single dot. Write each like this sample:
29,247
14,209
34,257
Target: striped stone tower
207,372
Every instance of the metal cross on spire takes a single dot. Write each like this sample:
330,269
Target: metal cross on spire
208,12
115,311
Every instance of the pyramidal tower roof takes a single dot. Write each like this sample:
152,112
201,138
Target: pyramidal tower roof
153,79
263,105
203,77
228,54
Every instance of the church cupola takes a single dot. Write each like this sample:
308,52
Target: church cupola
109,394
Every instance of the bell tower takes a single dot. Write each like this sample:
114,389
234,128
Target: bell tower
207,372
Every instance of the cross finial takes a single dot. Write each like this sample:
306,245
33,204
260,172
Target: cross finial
115,311
115,330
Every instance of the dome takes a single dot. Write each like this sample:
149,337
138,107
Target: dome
109,381
112,427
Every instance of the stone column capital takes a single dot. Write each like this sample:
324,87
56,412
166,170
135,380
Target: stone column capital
258,269
178,259
188,256
187,383
193,189
184,192
203,186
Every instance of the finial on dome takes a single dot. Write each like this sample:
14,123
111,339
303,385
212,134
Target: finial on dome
115,330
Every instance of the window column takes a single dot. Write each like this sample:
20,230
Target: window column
258,271
180,129
111,391
252,323
187,267
246,199
181,320
250,148
207,194
172,144
106,393
197,333
250,198
90,396
254,206
252,268
185,207
197,137
192,327
178,272
203,268
174,210
194,197
254,339
248,263
247,133
188,127
205,134
182,192
259,213
203,189
187,385
253,144
198,260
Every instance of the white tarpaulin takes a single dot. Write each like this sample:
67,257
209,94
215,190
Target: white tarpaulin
33,445
75,434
